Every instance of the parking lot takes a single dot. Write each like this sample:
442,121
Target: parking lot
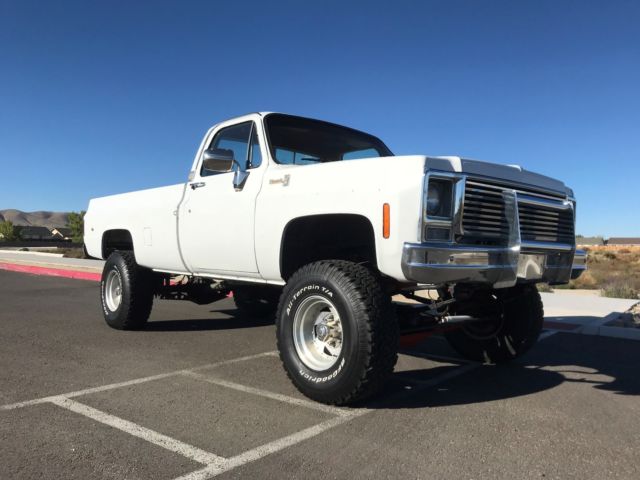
200,393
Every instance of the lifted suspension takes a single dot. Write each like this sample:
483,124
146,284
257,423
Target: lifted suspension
194,289
430,315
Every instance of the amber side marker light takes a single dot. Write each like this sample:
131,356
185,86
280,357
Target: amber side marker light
386,220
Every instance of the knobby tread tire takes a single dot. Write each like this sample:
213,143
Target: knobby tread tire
378,332
524,319
137,296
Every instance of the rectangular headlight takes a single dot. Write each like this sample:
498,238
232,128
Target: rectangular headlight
439,201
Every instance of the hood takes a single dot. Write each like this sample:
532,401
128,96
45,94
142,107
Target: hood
510,173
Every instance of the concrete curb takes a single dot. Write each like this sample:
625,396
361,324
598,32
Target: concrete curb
51,272
599,328
57,272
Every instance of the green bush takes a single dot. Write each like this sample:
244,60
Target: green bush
7,232
76,223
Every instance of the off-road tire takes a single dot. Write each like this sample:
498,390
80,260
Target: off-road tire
137,292
370,331
256,301
519,328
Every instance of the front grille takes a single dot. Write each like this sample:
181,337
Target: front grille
540,224
484,220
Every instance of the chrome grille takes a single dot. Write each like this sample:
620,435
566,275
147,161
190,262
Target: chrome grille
539,224
484,219
484,213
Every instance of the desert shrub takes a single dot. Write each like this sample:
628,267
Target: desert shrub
610,255
586,280
544,287
620,289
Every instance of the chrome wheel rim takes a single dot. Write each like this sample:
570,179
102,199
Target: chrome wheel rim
317,333
113,290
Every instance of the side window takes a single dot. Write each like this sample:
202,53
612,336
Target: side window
255,156
356,154
287,157
236,139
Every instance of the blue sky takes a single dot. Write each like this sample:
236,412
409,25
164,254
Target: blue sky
105,97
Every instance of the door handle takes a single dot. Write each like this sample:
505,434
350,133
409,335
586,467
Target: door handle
196,185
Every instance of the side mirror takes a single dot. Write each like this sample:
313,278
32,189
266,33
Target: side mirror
218,160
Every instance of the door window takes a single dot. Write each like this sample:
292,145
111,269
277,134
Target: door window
255,156
234,139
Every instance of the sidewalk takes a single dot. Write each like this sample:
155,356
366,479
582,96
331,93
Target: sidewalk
51,264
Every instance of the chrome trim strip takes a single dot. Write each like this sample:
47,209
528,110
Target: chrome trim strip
547,246
519,187
543,202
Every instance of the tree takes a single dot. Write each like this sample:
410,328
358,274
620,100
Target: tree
75,222
7,232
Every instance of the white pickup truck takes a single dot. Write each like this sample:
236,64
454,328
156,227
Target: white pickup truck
324,225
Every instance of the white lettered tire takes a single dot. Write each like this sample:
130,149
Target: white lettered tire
337,333
126,292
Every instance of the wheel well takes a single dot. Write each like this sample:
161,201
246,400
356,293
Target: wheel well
328,236
116,240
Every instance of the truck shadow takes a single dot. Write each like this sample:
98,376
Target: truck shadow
233,320
608,364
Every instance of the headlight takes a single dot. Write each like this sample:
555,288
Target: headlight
439,201
433,199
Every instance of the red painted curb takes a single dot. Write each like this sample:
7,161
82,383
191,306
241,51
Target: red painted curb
57,272
52,272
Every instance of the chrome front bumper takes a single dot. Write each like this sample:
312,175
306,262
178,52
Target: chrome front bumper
500,267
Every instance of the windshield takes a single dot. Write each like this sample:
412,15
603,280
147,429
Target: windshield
302,141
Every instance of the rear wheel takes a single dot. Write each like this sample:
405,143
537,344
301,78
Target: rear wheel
337,333
516,319
126,292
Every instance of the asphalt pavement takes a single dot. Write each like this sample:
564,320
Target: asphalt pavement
200,393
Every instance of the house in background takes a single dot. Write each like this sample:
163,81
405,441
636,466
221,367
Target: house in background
35,233
62,233
589,241
624,241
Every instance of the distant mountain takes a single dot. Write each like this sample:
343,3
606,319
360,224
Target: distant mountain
35,219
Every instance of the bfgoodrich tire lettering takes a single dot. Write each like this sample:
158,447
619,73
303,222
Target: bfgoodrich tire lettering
130,308
369,331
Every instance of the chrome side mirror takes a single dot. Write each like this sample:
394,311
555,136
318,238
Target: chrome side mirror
218,160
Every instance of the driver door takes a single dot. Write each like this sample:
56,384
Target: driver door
216,217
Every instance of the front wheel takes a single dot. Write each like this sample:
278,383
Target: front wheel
126,292
516,321
337,333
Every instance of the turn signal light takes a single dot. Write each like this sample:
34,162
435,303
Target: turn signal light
386,220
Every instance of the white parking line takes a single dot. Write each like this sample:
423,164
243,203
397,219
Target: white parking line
135,381
215,464
272,395
547,334
298,437
189,451
267,449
